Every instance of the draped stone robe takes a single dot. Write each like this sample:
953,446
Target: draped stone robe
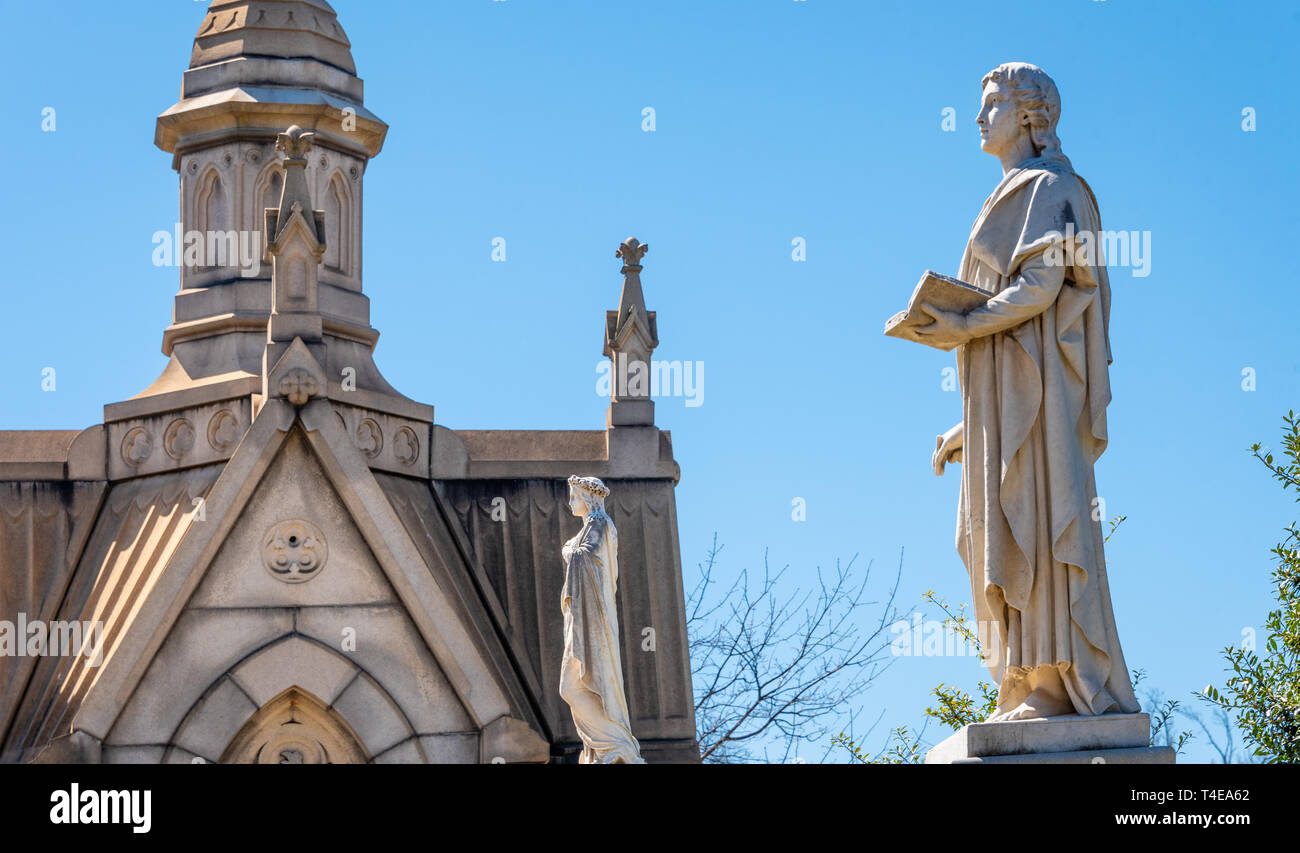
1035,387
591,675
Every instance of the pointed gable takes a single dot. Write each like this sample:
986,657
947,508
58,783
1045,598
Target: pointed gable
190,600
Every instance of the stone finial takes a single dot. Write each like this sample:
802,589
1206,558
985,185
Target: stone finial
631,335
632,251
295,245
631,302
295,144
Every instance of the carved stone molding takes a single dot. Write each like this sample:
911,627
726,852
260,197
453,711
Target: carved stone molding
387,442
294,551
196,435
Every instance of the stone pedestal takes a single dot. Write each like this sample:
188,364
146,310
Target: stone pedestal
1108,739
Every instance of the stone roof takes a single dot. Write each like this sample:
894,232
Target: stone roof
280,29
247,45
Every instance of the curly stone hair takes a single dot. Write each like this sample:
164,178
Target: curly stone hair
1036,97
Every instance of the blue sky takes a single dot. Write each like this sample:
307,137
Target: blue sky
774,120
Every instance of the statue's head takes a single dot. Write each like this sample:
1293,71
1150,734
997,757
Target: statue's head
586,495
1019,107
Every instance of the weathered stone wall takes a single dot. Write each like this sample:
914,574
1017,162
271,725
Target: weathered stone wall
43,527
521,556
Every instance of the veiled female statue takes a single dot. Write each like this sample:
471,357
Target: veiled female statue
591,675
1033,367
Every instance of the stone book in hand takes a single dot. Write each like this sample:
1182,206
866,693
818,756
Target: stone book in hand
941,291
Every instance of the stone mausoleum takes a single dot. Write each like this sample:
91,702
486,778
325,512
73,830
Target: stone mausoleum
277,557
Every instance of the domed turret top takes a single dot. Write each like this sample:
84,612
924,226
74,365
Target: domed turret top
259,66
272,29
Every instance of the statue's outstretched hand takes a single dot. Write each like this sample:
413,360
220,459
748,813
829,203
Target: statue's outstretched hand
948,447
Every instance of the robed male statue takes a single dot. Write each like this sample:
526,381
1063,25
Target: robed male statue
1033,364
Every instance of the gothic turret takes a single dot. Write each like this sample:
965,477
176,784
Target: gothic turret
257,68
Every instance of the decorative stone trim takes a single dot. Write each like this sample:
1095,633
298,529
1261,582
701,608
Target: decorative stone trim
298,385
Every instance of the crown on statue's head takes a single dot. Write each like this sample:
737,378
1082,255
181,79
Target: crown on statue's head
591,485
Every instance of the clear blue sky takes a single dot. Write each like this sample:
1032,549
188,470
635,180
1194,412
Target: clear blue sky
775,120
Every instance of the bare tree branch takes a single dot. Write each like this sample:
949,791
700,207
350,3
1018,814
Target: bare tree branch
773,670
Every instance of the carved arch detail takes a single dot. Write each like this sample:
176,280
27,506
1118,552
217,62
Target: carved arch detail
337,203
212,204
295,728
267,187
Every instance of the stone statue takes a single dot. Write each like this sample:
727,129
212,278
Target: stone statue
1033,363
591,674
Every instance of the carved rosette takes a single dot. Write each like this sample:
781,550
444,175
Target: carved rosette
137,446
294,551
223,431
406,446
370,438
178,438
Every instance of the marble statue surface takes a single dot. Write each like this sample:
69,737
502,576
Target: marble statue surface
1033,366
591,674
